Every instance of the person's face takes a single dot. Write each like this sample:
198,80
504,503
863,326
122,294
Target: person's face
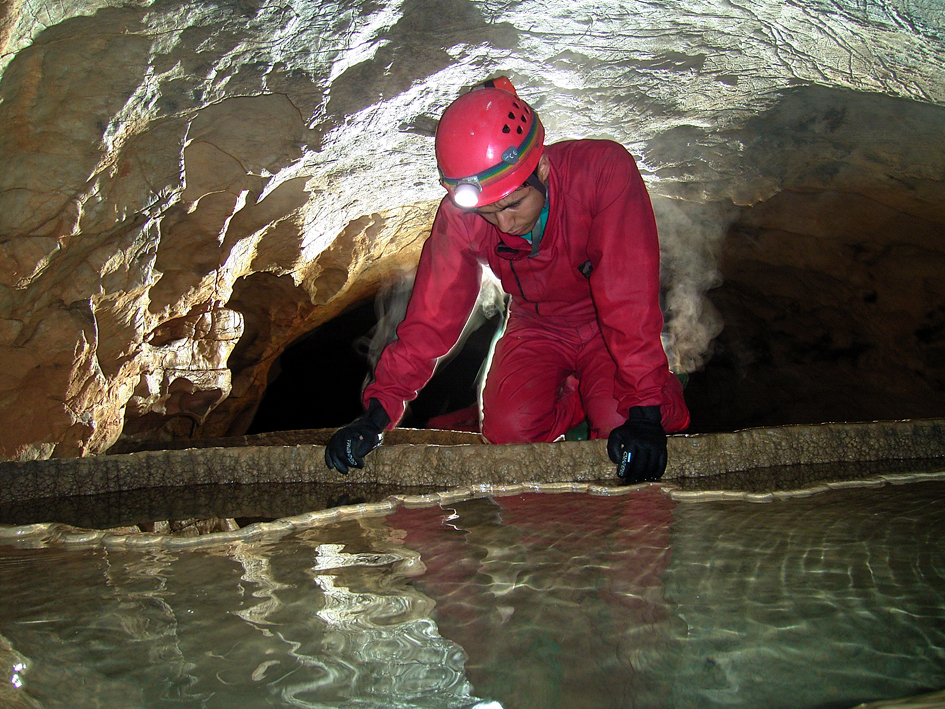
515,214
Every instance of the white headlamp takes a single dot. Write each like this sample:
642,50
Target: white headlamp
466,194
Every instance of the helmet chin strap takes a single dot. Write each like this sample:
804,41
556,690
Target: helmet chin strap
536,183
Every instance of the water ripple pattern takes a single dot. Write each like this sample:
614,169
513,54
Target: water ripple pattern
325,619
832,602
520,601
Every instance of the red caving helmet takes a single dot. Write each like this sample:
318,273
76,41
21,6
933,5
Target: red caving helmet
488,143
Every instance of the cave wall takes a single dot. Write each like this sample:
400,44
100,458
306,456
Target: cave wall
187,188
833,290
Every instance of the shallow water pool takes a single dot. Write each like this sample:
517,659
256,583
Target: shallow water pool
534,600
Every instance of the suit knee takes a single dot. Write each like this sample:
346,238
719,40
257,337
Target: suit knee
513,427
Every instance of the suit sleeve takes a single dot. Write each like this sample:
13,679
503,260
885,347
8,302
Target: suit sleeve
623,247
444,293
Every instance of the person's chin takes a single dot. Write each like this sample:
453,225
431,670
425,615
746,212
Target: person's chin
521,232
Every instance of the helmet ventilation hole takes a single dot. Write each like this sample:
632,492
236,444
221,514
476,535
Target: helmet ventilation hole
522,116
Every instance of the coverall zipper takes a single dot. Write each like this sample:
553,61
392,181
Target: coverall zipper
520,289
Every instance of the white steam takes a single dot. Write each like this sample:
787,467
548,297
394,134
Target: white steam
390,305
691,237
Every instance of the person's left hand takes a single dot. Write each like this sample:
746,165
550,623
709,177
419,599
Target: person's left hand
638,447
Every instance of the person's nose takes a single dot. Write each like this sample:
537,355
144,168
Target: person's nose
505,222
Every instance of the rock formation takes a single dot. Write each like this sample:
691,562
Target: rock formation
187,188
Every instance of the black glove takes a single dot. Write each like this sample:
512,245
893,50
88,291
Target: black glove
349,444
638,447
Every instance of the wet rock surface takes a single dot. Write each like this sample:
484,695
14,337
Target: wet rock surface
236,486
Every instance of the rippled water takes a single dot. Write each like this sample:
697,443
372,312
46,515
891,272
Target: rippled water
563,600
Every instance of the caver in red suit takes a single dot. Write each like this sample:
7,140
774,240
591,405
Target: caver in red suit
569,231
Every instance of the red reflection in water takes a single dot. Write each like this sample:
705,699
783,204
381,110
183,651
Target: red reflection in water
557,599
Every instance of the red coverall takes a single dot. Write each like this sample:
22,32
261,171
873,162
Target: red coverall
585,303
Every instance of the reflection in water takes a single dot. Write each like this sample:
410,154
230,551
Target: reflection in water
511,602
325,619
557,602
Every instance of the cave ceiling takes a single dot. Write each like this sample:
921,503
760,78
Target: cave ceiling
187,188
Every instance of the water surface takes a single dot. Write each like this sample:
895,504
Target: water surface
534,600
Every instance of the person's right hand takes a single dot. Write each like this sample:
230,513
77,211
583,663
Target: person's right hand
349,444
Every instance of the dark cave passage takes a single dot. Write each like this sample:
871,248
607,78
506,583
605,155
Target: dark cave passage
322,375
